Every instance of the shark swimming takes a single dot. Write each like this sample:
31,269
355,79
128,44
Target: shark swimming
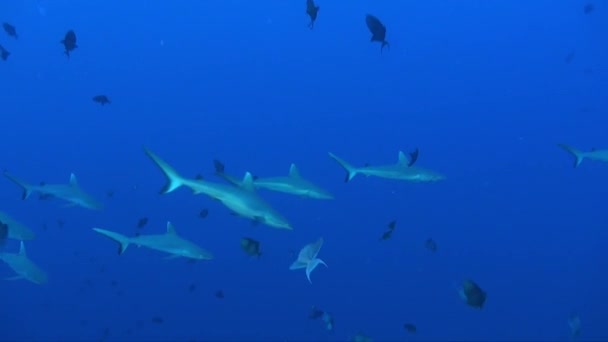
170,243
293,184
579,156
307,258
404,169
242,199
71,192
24,267
16,230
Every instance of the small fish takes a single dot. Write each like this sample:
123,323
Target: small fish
315,313
142,222
312,10
409,327
378,31
472,294
192,287
219,166
4,53
10,30
389,232
158,320
251,247
219,294
431,245
69,42
101,99
203,213
589,8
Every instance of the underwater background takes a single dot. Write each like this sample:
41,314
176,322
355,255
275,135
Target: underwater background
485,89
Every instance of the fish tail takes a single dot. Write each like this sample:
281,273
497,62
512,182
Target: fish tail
123,241
174,180
578,155
27,188
351,171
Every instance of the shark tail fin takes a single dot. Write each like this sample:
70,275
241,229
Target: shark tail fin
351,171
122,240
27,188
174,180
578,155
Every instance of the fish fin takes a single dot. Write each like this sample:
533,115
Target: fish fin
578,155
27,188
402,159
413,157
123,241
311,267
171,228
247,182
293,171
351,171
174,180
22,250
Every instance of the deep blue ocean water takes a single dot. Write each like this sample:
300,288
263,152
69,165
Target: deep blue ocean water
482,88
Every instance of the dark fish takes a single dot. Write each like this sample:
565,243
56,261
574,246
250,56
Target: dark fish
219,166
4,53
409,327
473,295
413,157
102,99
251,247
203,213
589,8
312,10
158,320
570,57
142,222
389,232
378,31
192,287
3,233
69,42
10,30
431,245
219,294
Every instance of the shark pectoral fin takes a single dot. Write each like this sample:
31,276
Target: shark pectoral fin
122,240
18,277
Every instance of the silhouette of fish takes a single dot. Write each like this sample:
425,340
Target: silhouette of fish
69,42
312,10
4,53
10,30
101,99
378,31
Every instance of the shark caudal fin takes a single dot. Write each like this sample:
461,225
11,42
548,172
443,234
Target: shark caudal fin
578,155
174,180
123,241
351,171
27,188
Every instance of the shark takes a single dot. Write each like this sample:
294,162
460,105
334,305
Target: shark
242,200
404,169
72,193
307,258
579,156
293,184
24,267
16,230
170,243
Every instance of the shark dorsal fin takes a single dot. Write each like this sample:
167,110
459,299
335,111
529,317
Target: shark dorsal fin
170,229
247,182
22,251
293,171
73,180
402,159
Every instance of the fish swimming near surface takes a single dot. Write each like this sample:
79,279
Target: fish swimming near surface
71,192
69,42
312,10
10,30
307,258
24,267
378,31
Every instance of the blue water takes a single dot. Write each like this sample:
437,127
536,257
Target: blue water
481,88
